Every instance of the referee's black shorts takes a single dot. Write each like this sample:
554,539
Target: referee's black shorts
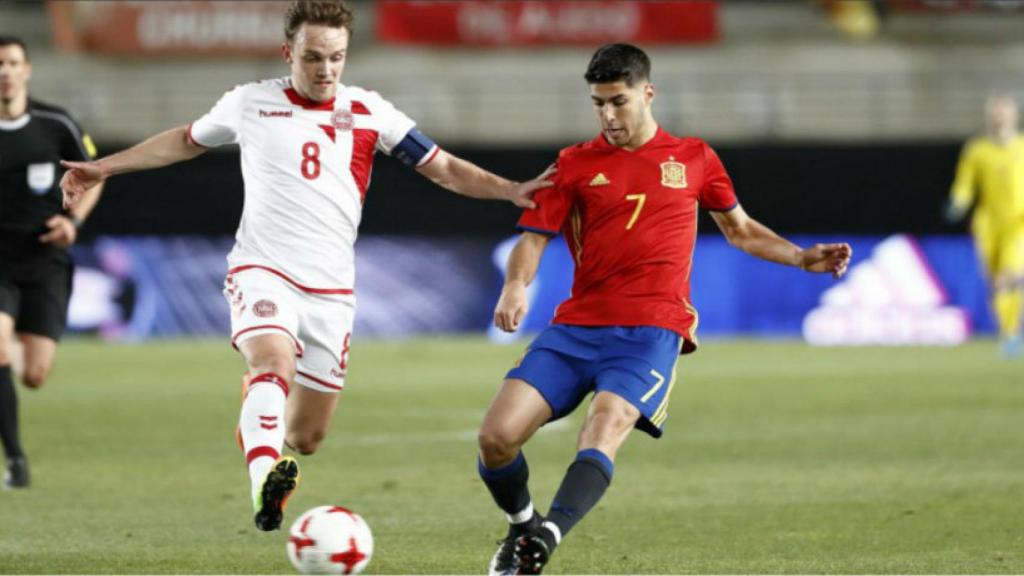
35,291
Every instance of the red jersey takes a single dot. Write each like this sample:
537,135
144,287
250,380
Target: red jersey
630,220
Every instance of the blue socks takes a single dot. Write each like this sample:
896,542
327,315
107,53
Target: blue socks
584,484
510,492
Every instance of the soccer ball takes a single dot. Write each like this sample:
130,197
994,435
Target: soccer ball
330,540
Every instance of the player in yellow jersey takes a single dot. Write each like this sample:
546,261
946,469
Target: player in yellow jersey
990,176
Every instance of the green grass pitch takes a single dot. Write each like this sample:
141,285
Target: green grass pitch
778,458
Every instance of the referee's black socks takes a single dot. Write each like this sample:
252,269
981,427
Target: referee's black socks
9,415
584,484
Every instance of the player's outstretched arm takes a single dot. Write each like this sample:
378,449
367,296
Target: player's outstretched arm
758,240
468,179
522,267
165,148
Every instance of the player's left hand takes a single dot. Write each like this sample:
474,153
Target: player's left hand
827,258
62,232
522,193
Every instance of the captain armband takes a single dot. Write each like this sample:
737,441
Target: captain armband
414,148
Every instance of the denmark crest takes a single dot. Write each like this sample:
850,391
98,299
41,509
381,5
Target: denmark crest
264,309
342,120
673,174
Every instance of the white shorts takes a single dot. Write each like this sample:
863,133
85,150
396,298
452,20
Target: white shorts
264,301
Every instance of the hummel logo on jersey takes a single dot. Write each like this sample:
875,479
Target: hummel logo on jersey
600,180
275,114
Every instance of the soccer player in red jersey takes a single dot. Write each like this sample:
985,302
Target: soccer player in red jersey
626,203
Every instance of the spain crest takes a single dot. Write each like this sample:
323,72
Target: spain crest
673,174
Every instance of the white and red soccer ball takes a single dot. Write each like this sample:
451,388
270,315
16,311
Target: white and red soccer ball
330,540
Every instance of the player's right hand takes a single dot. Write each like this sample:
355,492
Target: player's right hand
512,307
80,176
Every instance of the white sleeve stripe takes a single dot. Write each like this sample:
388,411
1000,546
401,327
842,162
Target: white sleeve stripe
66,120
429,155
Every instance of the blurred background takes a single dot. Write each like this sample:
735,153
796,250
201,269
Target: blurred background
836,120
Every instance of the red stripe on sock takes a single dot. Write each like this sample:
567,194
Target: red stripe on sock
271,378
260,451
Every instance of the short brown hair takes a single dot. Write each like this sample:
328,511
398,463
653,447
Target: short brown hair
6,40
335,14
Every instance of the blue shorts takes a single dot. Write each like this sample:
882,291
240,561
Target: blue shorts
565,363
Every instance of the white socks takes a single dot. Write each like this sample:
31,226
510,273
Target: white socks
262,425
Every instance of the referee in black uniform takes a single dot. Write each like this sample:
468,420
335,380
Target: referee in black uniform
35,232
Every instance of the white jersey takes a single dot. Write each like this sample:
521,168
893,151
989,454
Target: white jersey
306,167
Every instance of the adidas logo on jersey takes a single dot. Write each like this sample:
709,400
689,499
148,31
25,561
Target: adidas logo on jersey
600,180
891,298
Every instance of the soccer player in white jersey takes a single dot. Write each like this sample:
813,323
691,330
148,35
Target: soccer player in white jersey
307,146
